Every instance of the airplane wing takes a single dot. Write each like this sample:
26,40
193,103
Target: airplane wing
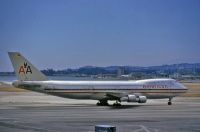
115,96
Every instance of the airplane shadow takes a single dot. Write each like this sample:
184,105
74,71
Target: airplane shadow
123,106
58,106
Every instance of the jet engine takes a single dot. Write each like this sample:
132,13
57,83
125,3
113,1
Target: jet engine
142,99
134,98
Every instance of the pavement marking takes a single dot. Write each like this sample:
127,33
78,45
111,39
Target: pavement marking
15,124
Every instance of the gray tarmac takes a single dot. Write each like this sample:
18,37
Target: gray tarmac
34,112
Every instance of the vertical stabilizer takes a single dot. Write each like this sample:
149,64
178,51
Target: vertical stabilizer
24,70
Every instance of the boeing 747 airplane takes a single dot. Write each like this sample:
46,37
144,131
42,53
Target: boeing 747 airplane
30,78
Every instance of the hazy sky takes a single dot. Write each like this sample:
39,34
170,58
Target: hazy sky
71,33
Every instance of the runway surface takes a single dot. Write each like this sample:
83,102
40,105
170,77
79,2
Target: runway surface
33,112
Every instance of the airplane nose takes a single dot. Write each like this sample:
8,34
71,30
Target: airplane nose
182,86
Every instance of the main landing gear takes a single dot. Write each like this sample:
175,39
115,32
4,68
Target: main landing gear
117,103
102,103
170,101
105,103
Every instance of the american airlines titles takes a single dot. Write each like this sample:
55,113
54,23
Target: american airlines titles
154,86
25,69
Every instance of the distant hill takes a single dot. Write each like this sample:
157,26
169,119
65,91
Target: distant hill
182,71
183,68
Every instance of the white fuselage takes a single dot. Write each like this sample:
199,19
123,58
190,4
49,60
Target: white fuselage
97,90
131,91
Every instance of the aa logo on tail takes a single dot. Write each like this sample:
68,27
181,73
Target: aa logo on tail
25,69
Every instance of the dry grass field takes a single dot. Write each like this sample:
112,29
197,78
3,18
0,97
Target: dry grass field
9,88
193,89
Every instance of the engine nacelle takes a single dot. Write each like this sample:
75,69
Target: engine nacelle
142,99
129,98
134,98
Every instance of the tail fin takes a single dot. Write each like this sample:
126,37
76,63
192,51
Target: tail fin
24,70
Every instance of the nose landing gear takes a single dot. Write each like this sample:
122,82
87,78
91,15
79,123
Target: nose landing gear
170,101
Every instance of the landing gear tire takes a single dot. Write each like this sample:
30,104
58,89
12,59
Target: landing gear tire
169,103
117,104
102,103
